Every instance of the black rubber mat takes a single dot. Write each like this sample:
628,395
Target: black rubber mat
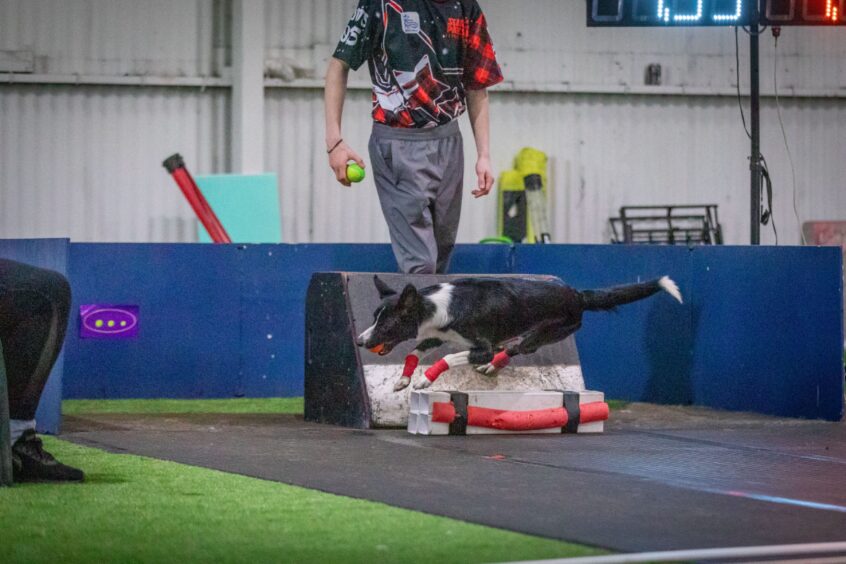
658,479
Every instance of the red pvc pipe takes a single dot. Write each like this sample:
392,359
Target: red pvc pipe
505,420
531,420
175,165
443,412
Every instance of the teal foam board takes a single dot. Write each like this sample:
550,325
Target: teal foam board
247,206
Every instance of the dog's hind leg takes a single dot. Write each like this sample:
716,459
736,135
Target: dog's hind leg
499,361
543,334
413,359
529,342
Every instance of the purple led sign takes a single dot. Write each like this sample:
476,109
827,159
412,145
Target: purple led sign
100,321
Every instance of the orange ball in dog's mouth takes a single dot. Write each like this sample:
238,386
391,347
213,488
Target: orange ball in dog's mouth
378,349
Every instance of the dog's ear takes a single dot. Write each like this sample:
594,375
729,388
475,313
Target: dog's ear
384,289
409,298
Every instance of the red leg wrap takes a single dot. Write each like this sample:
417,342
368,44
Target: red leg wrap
411,362
436,370
501,359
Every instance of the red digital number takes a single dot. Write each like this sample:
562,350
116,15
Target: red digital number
822,10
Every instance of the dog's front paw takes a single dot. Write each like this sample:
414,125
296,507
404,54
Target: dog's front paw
422,384
488,369
402,383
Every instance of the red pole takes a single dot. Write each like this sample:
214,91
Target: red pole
175,165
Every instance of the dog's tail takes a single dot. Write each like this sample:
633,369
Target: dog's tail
610,298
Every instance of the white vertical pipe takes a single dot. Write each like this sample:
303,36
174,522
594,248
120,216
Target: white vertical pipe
248,86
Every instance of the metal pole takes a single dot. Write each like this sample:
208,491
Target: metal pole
5,444
755,158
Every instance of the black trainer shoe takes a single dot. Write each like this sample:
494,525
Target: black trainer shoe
31,463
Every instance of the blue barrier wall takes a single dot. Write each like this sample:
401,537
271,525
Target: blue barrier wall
761,328
51,254
215,320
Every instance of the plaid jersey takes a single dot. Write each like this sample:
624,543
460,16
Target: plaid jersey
423,55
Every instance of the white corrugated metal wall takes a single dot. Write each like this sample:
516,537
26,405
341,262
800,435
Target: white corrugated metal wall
83,158
86,162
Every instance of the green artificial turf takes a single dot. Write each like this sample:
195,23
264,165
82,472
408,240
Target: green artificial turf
135,509
243,405
614,405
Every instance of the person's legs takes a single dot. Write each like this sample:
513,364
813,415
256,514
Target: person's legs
34,311
447,207
410,168
405,205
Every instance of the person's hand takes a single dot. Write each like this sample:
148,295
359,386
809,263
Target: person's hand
485,176
338,160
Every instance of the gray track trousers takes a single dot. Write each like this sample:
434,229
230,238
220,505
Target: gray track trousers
419,175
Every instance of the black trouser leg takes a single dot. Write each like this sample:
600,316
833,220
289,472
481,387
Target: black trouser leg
34,310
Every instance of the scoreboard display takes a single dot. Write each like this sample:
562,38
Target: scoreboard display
804,12
669,13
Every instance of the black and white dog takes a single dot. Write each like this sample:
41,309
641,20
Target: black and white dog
492,320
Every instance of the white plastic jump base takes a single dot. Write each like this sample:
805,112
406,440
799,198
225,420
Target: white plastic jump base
391,409
422,419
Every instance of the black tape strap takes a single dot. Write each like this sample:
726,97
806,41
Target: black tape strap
459,402
574,412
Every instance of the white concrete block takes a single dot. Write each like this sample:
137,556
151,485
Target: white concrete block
413,422
590,396
421,403
595,427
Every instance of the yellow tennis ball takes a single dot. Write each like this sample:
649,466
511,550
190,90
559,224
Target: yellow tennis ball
355,173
